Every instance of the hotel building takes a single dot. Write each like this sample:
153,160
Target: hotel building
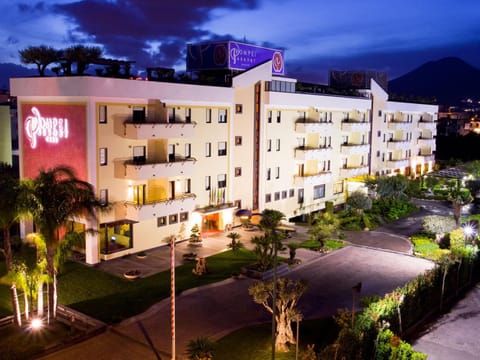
170,155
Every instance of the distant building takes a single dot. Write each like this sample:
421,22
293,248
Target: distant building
171,155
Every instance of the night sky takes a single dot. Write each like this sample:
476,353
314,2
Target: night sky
395,36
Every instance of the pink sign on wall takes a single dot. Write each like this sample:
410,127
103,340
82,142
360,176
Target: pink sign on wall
53,135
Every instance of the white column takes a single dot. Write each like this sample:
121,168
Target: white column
92,246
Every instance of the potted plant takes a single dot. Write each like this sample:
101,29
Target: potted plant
189,256
132,274
195,238
141,255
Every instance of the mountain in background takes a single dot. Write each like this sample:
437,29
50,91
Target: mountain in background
448,80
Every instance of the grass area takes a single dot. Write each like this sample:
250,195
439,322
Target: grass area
254,342
426,247
330,244
112,299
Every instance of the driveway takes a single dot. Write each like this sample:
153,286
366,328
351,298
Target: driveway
223,307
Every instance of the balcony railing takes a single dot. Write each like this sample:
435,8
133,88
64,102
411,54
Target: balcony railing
398,163
312,153
138,170
313,179
349,172
398,144
312,126
400,125
151,130
357,126
427,124
154,209
355,149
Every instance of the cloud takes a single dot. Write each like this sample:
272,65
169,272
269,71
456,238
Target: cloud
128,28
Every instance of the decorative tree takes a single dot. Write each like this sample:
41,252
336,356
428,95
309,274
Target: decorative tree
195,234
288,292
235,245
359,201
42,56
438,225
459,197
200,348
323,226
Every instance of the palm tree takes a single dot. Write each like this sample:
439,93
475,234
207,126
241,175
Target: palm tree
235,245
42,56
53,198
9,192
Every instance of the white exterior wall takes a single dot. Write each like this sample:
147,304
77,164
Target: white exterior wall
335,118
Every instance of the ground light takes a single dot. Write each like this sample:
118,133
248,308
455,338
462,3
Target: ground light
469,231
36,324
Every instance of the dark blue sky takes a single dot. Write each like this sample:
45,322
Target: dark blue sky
395,36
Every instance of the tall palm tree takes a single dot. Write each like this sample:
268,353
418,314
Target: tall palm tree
53,198
9,192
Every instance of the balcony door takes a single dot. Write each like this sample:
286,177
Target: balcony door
171,152
139,194
139,156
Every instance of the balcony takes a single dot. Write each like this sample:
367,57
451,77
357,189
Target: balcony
400,125
350,172
134,170
426,157
312,126
155,209
355,149
355,126
427,125
426,142
150,130
313,179
398,144
304,153
397,164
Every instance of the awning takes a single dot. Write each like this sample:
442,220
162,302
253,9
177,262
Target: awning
243,212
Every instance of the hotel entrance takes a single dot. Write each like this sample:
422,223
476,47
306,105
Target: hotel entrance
210,222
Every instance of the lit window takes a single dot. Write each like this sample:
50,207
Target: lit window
222,148
222,115
103,156
318,191
238,140
173,218
103,196
161,221
184,216
238,171
222,180
238,108
102,114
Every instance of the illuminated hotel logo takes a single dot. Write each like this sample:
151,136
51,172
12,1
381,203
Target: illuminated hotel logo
52,129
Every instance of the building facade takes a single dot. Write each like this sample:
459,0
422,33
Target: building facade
170,155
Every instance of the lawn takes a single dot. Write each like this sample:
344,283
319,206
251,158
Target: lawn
111,299
254,342
330,244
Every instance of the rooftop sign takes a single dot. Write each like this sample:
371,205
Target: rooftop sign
232,55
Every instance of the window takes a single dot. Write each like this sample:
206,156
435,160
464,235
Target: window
269,174
102,114
270,116
171,152
173,218
278,144
222,148
208,116
161,221
291,192
318,191
379,133
184,216
103,156
208,149
138,114
383,156
279,116
188,115
269,145
277,195
222,115
188,151
284,194
379,112
222,180
338,187
300,196
378,153
139,154
238,171
103,196
268,198
237,204
277,172
238,108
171,115
207,182
238,140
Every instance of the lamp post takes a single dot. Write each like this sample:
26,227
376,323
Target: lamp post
355,290
298,318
